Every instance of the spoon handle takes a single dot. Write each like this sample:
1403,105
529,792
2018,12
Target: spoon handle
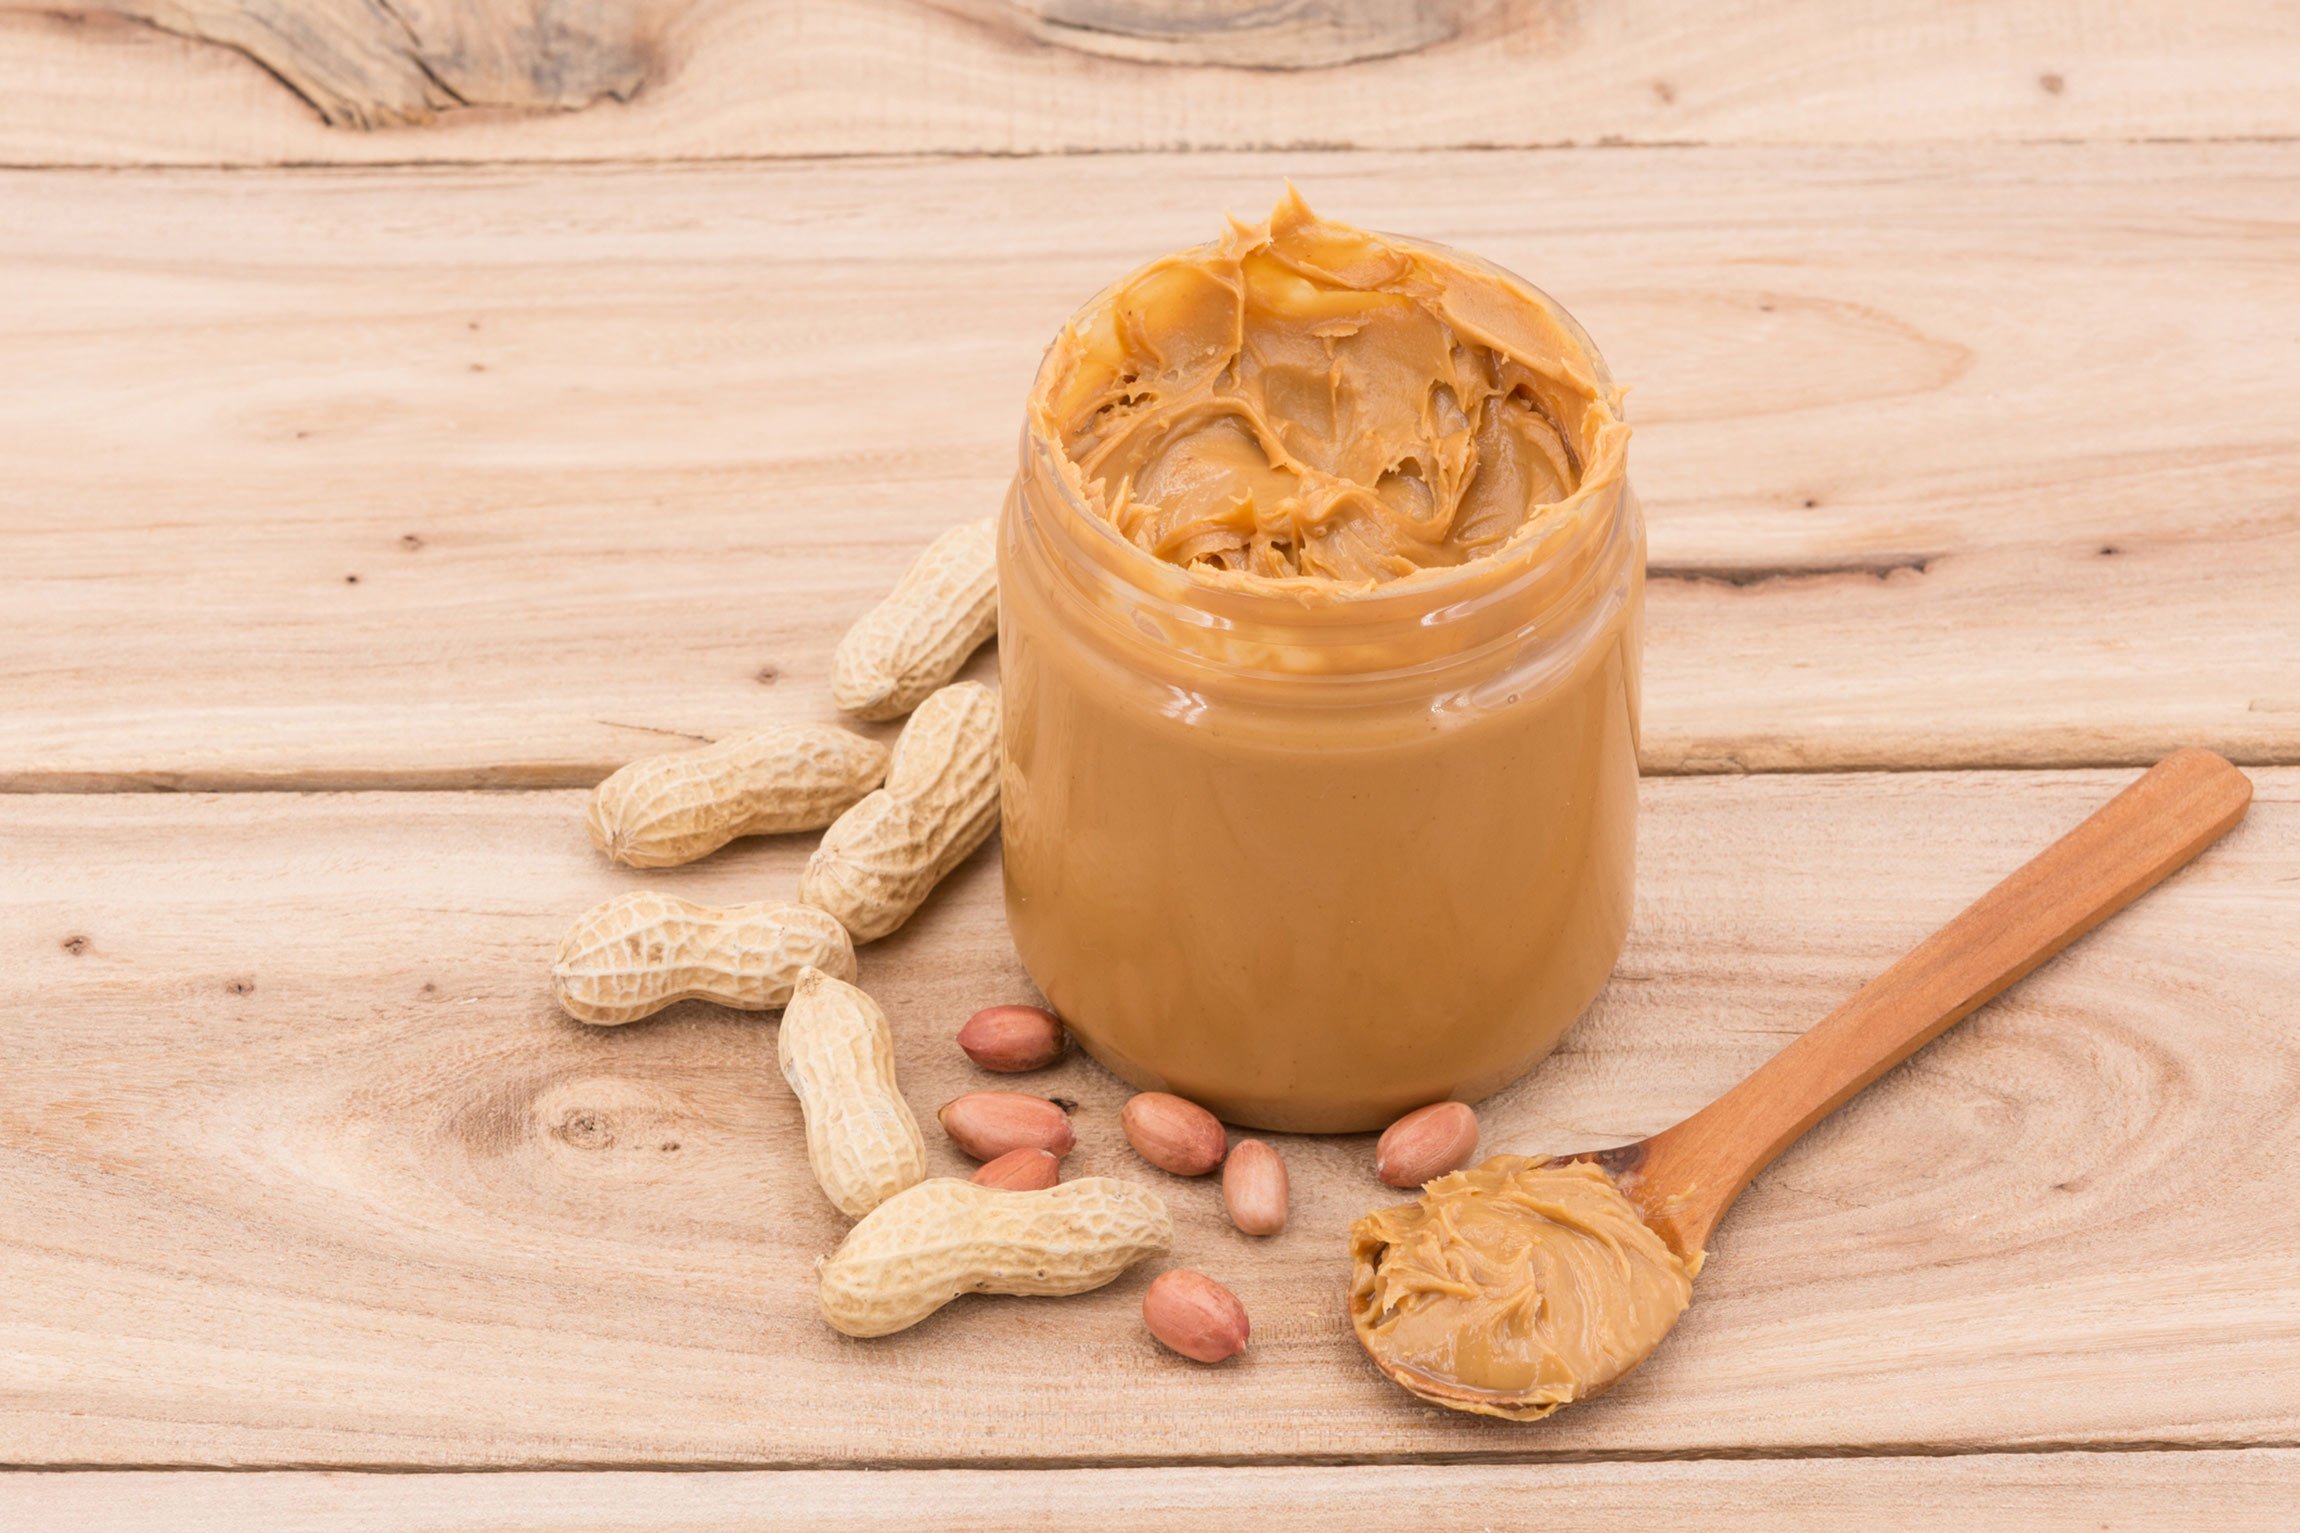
1690,1174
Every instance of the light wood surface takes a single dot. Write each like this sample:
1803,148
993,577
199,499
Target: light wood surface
1952,456
89,84
1684,1178
2203,1492
1962,340
343,1189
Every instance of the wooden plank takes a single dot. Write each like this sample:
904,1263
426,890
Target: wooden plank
1951,456
2198,1492
260,81
299,1167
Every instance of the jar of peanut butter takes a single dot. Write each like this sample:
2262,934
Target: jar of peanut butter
1320,592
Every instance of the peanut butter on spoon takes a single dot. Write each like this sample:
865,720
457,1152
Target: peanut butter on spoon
1524,1284
1514,1287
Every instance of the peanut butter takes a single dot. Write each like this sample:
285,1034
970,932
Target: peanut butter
1320,592
1310,400
1513,1288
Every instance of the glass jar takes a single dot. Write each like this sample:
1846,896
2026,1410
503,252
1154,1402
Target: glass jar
1315,861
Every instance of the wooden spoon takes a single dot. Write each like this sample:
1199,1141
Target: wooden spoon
1420,1324
1684,1178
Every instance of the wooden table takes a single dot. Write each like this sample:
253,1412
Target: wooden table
412,411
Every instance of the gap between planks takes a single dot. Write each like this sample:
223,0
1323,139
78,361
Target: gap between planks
1125,1463
559,778
2216,1492
859,158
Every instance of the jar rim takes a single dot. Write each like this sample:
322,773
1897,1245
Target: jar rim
1543,571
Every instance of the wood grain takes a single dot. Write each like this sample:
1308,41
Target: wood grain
1684,1178
1951,456
2198,1492
260,81
299,1167
364,64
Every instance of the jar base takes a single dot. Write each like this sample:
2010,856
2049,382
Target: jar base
1281,1116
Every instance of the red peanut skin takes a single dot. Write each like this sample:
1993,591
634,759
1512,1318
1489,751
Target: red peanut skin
1012,1039
1251,1174
1173,1134
1426,1143
1192,1314
987,1124
1020,1171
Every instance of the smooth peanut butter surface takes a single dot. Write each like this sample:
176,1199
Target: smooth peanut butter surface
1514,1287
1305,399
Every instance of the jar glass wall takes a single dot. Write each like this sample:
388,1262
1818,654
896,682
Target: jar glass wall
1314,860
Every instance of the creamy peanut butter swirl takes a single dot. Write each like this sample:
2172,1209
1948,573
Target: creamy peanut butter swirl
1305,400
1514,1287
